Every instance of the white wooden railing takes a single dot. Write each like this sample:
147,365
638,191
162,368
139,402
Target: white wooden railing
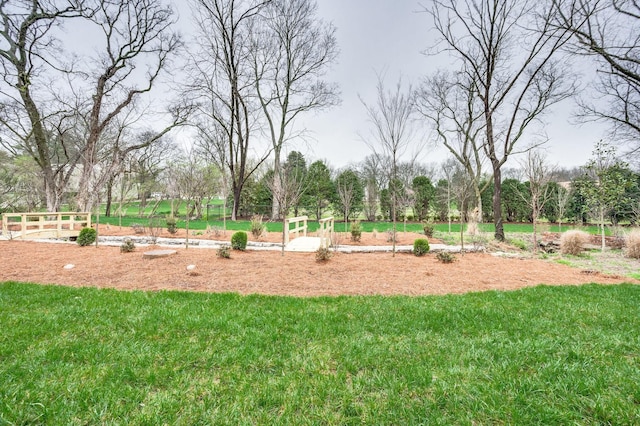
299,224
44,225
326,232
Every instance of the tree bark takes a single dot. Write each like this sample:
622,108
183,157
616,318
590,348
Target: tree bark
497,203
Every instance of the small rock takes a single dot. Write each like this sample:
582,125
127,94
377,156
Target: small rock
191,268
69,266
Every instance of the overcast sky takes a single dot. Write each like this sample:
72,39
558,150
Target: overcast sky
389,36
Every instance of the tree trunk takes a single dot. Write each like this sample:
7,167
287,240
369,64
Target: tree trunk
236,203
53,197
479,199
497,205
275,205
602,228
107,208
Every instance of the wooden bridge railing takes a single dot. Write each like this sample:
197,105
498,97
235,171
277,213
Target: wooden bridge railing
44,225
299,224
326,232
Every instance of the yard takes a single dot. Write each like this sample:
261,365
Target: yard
228,344
543,355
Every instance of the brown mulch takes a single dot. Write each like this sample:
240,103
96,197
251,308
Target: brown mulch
294,274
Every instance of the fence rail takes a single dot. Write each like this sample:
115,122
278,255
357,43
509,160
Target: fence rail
44,225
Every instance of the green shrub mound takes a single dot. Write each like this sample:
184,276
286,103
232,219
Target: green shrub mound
239,240
171,225
87,236
420,247
356,231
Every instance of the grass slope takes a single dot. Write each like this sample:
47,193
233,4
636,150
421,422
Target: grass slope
545,355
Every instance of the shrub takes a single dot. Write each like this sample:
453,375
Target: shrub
323,254
127,246
572,242
445,257
137,228
428,229
257,227
171,225
239,240
420,247
224,252
216,231
154,228
87,236
356,231
391,236
633,245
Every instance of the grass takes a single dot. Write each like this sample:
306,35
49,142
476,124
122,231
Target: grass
244,225
544,355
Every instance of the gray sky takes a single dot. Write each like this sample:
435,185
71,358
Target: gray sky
389,36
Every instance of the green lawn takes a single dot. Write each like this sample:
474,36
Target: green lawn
244,225
545,355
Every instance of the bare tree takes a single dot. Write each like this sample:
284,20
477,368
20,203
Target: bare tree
293,49
508,48
287,187
563,197
28,49
65,115
452,105
137,34
393,132
193,180
538,173
374,176
607,30
222,82
349,192
462,190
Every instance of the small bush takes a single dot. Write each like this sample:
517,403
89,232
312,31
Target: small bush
633,245
391,236
572,242
154,228
239,240
323,254
445,257
257,227
420,247
87,236
171,225
428,229
137,228
356,231
127,246
224,252
216,231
